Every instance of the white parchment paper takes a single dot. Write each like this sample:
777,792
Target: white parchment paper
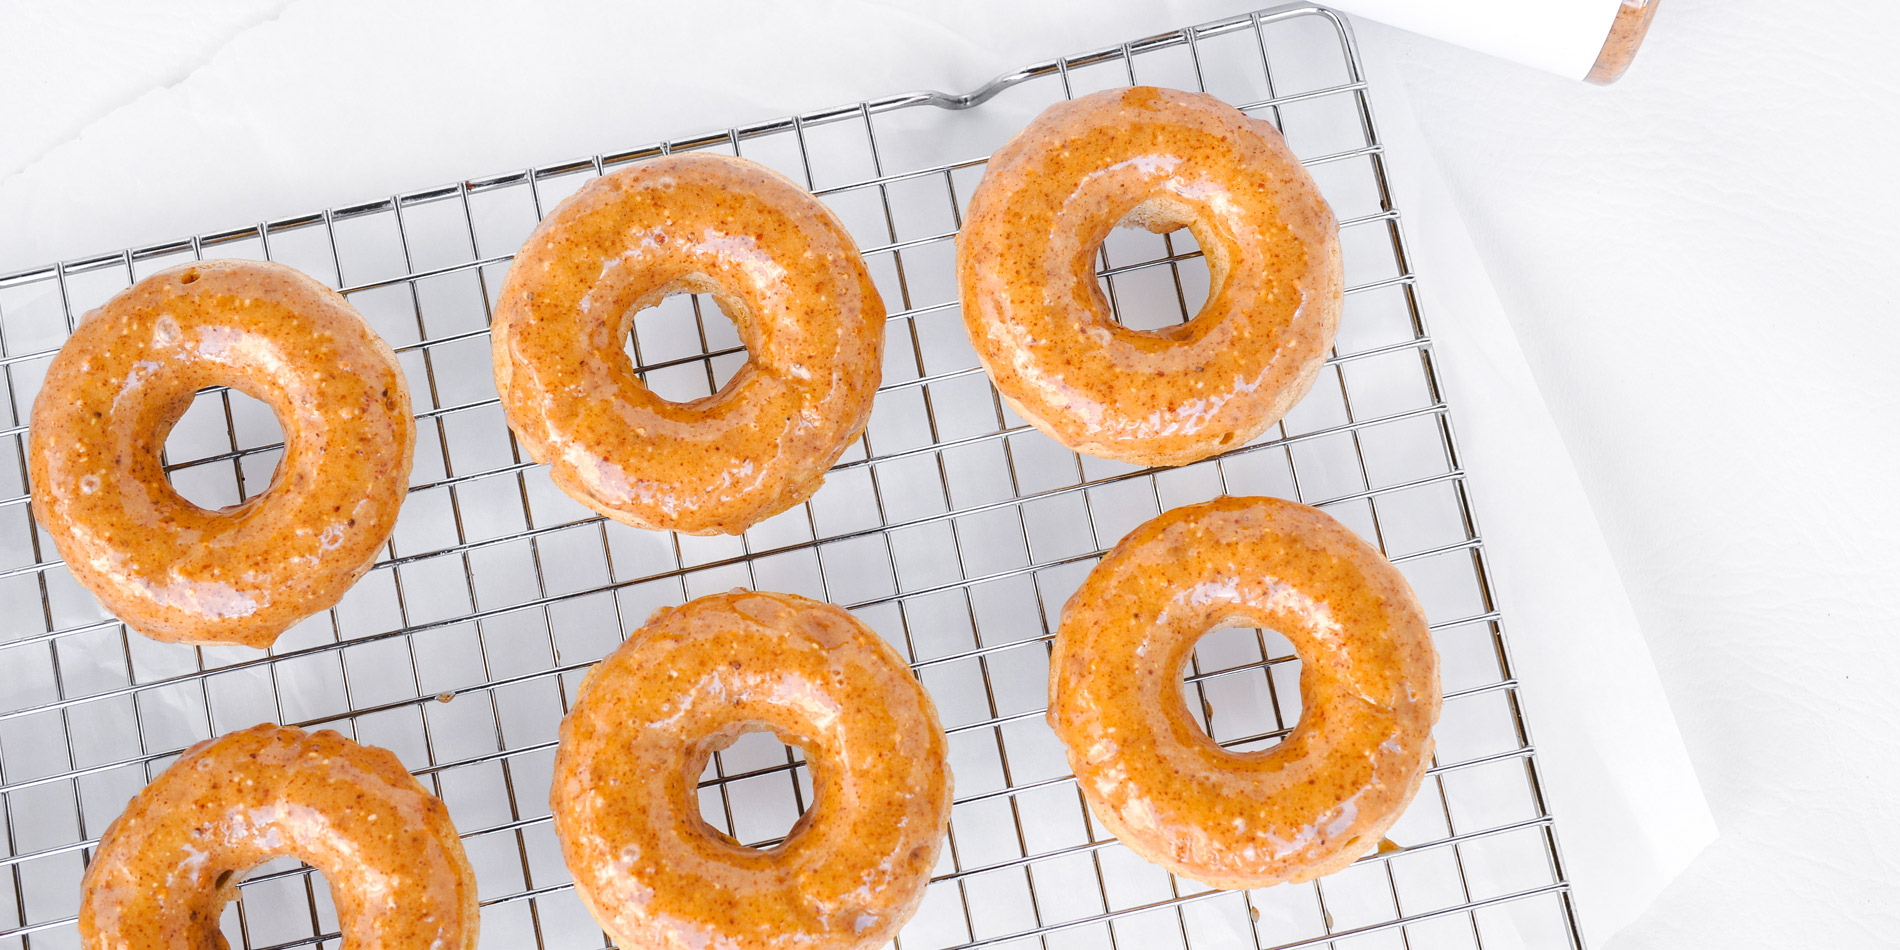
1630,812
1562,36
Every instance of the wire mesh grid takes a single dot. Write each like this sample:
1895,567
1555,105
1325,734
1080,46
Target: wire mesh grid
953,528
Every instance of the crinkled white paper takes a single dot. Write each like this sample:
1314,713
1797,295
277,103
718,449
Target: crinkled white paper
1562,36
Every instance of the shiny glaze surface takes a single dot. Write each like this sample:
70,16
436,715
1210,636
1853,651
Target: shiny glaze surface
1369,693
239,575
689,683
1162,159
779,264
166,867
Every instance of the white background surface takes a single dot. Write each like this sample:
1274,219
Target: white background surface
1696,262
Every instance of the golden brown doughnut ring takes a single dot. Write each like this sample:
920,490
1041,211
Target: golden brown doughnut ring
167,866
1368,691
776,260
689,683
1162,159
244,574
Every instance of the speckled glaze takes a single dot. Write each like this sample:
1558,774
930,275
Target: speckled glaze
1160,159
1626,37
689,683
1369,693
244,574
776,260
166,867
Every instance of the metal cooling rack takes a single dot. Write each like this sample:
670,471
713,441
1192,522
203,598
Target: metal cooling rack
953,528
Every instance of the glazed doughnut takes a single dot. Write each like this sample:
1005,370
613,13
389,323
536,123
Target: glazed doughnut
166,867
1160,159
853,868
1368,691
778,263
241,575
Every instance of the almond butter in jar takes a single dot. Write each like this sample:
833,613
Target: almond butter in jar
1626,37
1594,40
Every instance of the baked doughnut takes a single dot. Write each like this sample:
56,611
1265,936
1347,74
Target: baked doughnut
776,260
166,867
1159,159
241,575
853,868
1368,691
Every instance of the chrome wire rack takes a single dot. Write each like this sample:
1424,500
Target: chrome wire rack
953,528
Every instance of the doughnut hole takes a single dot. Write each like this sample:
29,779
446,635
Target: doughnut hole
1241,686
755,788
1155,275
686,347
224,450
279,903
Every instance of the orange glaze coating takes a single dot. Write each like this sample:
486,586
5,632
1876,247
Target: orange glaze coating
1160,159
166,867
778,263
1369,693
244,574
689,683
